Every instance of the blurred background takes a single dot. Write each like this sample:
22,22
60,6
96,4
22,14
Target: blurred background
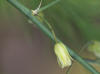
24,49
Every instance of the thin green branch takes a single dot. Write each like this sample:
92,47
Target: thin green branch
49,5
28,13
96,61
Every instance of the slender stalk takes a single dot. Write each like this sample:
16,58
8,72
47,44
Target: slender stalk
49,5
49,25
28,13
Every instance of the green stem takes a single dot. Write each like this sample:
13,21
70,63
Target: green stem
49,5
28,13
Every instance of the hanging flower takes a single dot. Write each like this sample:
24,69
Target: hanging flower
63,56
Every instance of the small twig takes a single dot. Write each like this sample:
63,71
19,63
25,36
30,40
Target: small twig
36,11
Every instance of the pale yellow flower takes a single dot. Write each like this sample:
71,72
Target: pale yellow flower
63,56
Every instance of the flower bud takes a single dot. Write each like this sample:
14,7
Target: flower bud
95,48
63,56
